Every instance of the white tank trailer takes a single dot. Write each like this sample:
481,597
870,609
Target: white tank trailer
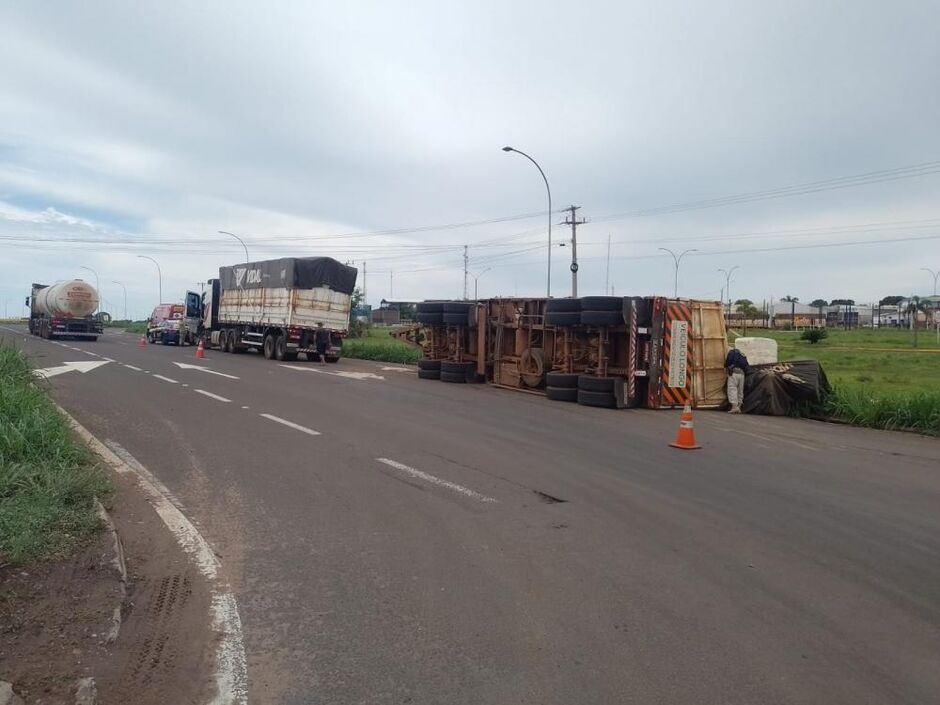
65,310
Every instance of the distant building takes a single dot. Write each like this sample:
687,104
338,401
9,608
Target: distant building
797,315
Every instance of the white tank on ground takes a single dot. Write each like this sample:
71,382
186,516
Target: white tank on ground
69,299
758,351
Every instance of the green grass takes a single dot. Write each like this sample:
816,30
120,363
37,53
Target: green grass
377,344
879,379
47,480
130,326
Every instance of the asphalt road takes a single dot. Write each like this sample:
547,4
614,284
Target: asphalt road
394,540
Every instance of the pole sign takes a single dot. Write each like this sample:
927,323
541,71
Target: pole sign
678,354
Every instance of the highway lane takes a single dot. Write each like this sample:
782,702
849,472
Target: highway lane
785,562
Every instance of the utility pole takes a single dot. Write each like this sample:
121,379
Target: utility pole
607,275
466,290
574,223
365,301
391,285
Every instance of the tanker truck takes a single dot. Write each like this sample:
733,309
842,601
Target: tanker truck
64,310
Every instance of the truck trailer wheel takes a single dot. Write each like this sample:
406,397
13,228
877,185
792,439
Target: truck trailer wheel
601,303
268,347
429,364
562,380
454,377
602,318
605,400
280,348
429,374
562,318
591,383
561,393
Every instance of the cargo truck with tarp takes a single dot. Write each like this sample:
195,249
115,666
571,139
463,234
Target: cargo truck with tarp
64,310
276,306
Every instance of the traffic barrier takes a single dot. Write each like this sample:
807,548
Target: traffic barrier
200,351
685,438
142,342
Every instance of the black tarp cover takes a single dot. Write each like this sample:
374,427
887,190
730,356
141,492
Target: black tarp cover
775,389
290,273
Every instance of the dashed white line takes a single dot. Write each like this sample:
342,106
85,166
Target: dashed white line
414,472
290,424
131,367
212,396
166,379
246,407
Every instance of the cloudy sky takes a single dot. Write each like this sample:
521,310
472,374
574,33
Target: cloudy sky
362,129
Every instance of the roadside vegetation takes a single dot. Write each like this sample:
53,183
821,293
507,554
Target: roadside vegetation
129,326
47,479
879,378
378,344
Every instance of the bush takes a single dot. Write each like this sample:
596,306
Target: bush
814,335
47,481
913,412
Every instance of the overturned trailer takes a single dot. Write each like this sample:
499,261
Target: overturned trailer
603,351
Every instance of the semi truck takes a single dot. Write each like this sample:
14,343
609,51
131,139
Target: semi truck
276,306
64,310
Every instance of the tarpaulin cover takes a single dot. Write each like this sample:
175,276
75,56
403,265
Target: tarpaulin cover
775,389
290,273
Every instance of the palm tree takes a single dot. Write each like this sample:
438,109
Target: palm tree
792,301
915,305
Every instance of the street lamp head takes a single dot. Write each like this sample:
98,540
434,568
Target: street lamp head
508,149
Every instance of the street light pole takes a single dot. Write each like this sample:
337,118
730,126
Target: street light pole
549,190
934,275
97,284
159,276
728,273
476,281
226,232
125,297
677,260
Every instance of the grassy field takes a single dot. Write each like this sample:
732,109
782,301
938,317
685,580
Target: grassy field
880,379
377,344
47,480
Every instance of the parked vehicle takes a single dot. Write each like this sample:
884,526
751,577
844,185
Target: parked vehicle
275,306
165,324
64,310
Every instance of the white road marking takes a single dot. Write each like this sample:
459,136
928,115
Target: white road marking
185,385
131,367
82,367
88,352
231,671
187,366
344,373
290,424
212,396
166,379
106,358
395,369
246,407
436,480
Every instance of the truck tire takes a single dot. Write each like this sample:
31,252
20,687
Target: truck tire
454,377
562,318
563,306
562,380
94,338
601,303
429,364
280,348
267,347
590,383
601,318
457,368
331,360
457,307
430,319
430,307
231,344
604,400
561,393
429,374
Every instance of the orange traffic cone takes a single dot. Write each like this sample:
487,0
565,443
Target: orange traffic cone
685,439
200,350
143,341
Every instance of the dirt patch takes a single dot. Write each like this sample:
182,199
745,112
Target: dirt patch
55,617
